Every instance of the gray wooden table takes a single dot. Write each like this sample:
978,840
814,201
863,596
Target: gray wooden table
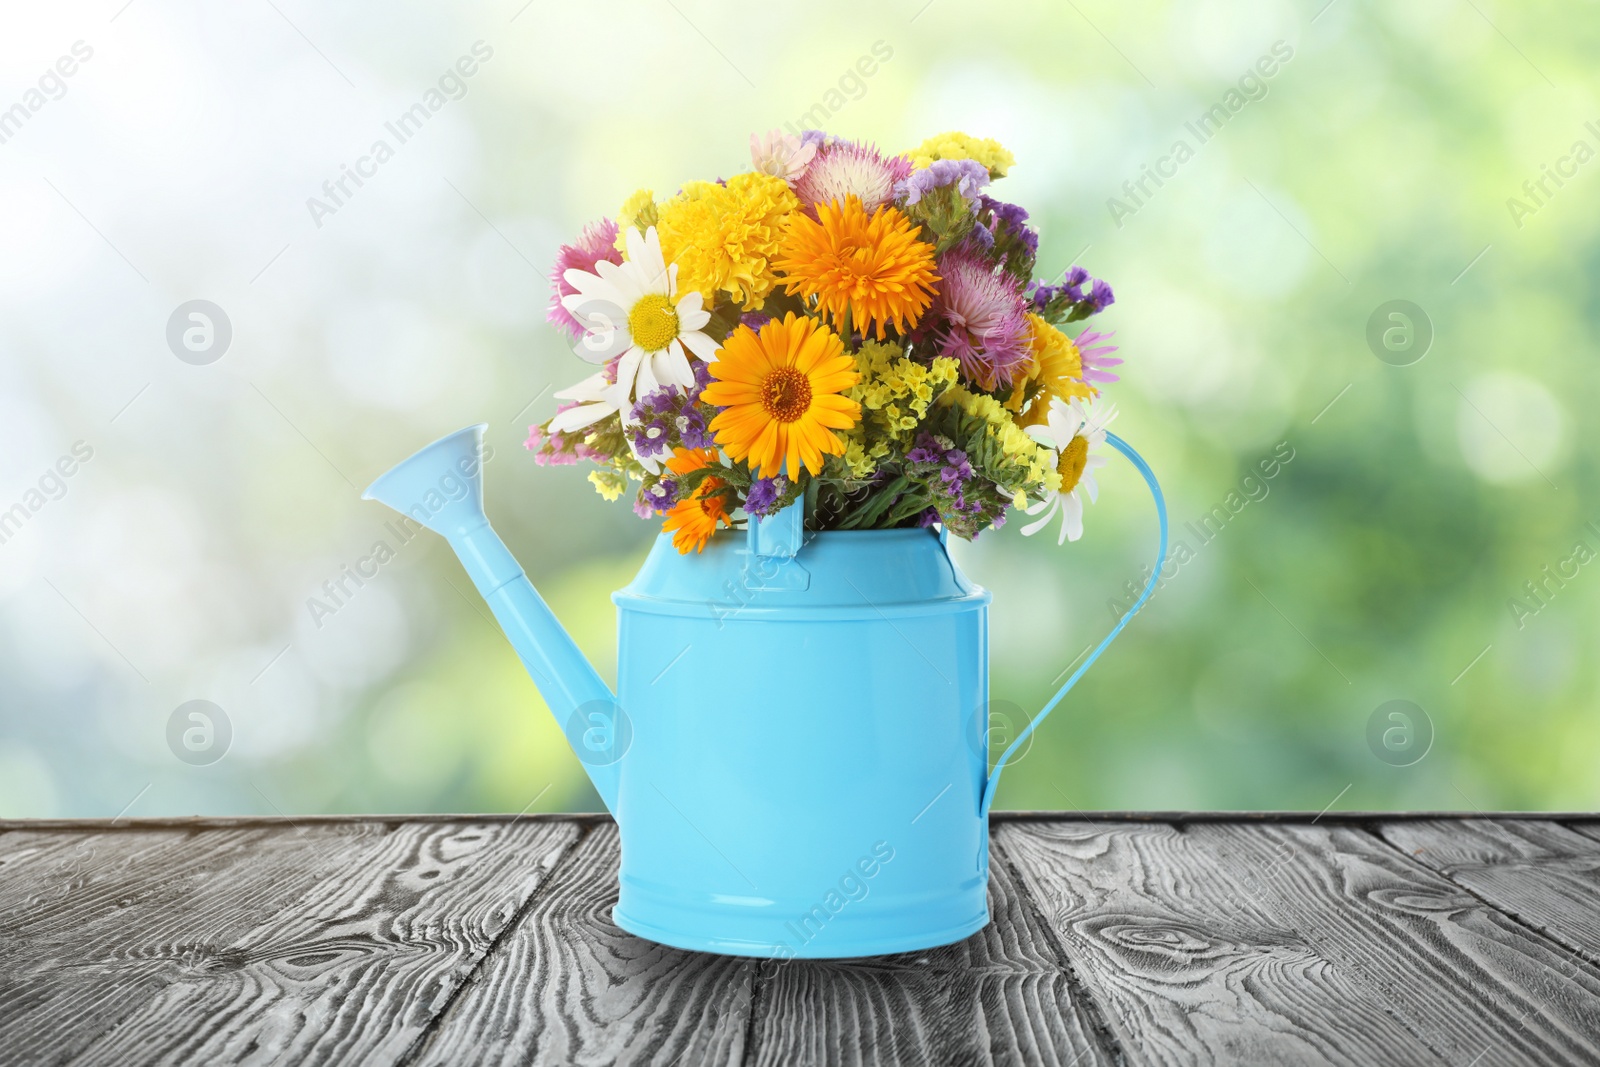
1118,939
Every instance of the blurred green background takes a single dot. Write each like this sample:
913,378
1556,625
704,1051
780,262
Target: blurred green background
1380,563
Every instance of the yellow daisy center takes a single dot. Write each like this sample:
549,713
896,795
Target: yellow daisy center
786,394
653,322
1073,459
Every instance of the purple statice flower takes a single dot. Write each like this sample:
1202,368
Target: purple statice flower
980,318
1010,225
650,427
597,243
1013,216
967,175
979,239
763,495
754,319
1070,291
656,498
1097,356
952,473
665,418
1072,284
842,169
1039,297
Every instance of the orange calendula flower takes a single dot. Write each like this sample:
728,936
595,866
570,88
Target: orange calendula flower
781,391
692,522
874,267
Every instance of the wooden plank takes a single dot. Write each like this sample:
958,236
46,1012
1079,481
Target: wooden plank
566,986
304,948
1003,995
1475,984
1188,966
1540,872
94,925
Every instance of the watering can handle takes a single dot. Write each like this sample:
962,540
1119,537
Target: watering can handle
1149,587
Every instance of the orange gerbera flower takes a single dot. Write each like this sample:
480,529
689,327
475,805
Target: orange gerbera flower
692,522
780,389
873,267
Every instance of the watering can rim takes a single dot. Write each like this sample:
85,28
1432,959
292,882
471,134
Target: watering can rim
370,492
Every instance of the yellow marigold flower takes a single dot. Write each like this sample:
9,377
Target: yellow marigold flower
638,213
1056,370
781,391
957,145
724,237
872,267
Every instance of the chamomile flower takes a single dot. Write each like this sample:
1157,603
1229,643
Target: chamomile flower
635,322
1076,431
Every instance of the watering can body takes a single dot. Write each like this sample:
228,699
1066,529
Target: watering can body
809,746
797,752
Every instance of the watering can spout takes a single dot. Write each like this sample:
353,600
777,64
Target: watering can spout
441,488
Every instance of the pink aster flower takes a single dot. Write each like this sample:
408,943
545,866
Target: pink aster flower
1096,356
980,318
781,155
597,243
844,168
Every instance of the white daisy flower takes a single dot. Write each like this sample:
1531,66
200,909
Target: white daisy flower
632,311
1075,431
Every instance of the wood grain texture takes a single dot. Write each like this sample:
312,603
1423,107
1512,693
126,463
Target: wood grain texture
328,947
1004,996
1475,984
566,986
1534,870
94,925
1140,940
1188,966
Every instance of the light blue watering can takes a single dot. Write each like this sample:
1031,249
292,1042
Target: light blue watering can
797,754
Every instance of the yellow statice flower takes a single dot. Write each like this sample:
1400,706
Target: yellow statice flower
638,213
724,237
1015,444
861,458
608,483
957,145
894,393
1056,370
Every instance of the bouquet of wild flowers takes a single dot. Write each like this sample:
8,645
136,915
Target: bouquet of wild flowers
860,330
